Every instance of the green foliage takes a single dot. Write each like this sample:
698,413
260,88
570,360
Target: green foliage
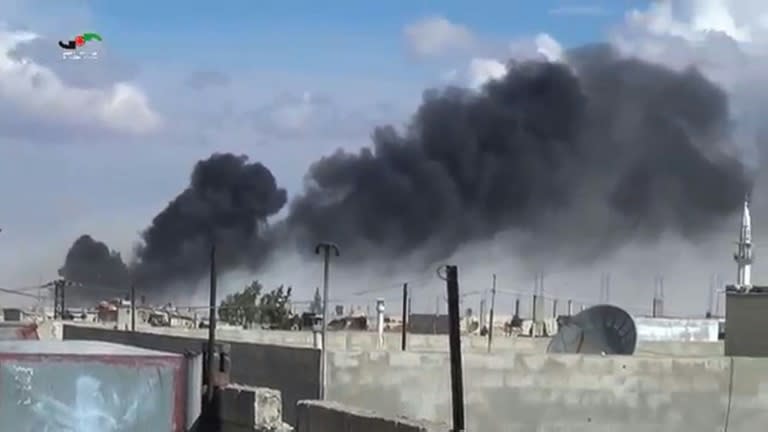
250,306
317,303
274,307
241,308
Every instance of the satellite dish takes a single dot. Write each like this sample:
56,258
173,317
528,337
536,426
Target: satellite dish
602,329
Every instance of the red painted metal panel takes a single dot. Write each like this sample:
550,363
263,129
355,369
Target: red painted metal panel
175,364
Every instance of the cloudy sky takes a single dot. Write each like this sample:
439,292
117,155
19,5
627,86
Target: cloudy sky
100,146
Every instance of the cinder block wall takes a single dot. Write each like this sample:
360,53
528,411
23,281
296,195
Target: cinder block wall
322,416
368,341
565,392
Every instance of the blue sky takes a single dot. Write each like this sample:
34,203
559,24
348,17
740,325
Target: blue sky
343,36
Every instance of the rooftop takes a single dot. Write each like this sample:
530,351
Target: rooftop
76,347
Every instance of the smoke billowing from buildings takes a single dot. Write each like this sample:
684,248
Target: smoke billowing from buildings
94,265
581,158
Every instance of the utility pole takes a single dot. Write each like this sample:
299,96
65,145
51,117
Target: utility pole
410,303
211,325
59,306
718,284
405,317
457,381
133,307
490,318
327,249
711,299
658,298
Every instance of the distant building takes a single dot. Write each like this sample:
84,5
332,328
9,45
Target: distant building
106,312
180,320
428,324
12,314
746,322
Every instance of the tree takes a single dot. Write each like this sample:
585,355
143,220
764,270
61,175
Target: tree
316,307
273,308
241,308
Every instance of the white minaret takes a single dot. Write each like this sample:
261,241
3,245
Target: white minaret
743,255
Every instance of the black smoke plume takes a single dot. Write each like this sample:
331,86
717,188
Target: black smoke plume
100,270
228,201
579,157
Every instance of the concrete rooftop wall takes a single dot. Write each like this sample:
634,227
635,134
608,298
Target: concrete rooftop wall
368,341
565,392
323,416
677,329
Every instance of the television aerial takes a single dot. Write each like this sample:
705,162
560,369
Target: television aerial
602,329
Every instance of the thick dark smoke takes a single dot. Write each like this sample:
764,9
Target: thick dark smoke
579,158
228,198
101,270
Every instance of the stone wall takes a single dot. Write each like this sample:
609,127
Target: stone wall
560,392
368,341
321,416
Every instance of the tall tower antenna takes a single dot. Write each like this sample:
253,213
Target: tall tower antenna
743,255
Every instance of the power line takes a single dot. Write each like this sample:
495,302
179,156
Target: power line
18,293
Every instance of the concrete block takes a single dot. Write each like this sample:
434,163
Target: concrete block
250,406
324,416
344,359
404,359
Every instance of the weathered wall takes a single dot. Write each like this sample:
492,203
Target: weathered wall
746,323
101,393
324,416
549,392
368,341
291,370
677,329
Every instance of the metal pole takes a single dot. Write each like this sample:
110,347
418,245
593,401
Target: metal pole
56,296
410,303
326,248
404,335
133,307
457,390
490,317
211,325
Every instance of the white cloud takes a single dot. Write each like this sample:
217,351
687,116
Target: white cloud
548,47
481,70
37,94
691,20
436,36
582,10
